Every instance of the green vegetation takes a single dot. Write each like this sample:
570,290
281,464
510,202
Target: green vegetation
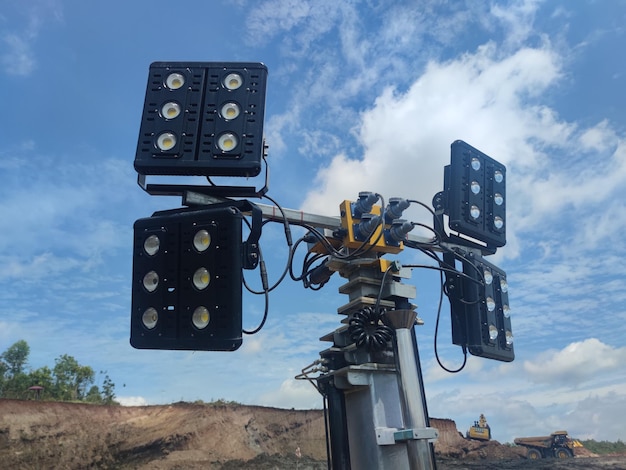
66,381
218,402
605,447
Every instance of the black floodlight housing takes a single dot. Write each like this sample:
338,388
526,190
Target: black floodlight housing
187,280
479,307
474,195
203,118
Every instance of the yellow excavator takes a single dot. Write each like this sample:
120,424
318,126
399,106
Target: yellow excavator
480,431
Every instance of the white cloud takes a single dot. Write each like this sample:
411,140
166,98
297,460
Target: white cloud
39,267
477,97
557,169
599,138
301,19
16,52
517,17
517,406
576,363
17,58
132,401
452,359
594,417
299,394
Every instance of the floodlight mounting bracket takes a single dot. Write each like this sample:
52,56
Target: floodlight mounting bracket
456,240
209,190
439,205
250,248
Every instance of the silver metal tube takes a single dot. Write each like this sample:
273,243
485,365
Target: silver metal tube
294,216
420,456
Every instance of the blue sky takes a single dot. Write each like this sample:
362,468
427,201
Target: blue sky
361,96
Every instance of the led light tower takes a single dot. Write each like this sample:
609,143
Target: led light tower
475,195
202,118
187,280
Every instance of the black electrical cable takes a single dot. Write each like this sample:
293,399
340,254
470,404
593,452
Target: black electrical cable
320,237
432,212
367,330
460,256
265,295
288,238
307,270
451,371
443,270
265,291
365,247
425,206
435,239
264,319
382,286
293,249
362,250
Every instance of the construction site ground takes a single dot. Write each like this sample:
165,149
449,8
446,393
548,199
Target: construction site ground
53,435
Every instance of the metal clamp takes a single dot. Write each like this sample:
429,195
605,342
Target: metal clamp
392,436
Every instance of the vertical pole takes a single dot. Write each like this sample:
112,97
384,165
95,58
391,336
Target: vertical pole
336,433
411,387
418,363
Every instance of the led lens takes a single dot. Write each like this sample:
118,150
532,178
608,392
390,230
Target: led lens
498,223
488,277
506,311
230,111
166,141
227,142
475,164
498,199
201,241
201,317
493,332
474,212
150,318
504,286
170,110
151,245
491,304
201,278
233,81
475,187
509,338
174,81
151,281
498,176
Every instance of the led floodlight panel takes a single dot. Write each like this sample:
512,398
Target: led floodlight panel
476,195
187,280
488,315
203,118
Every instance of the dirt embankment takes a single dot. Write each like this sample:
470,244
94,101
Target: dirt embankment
63,435
50,435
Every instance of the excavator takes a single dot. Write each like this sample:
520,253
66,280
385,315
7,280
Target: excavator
480,431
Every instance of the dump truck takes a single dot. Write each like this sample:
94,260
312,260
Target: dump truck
480,431
558,444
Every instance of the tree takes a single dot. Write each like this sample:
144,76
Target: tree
16,386
68,380
42,377
71,379
3,370
93,395
16,357
13,380
108,391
